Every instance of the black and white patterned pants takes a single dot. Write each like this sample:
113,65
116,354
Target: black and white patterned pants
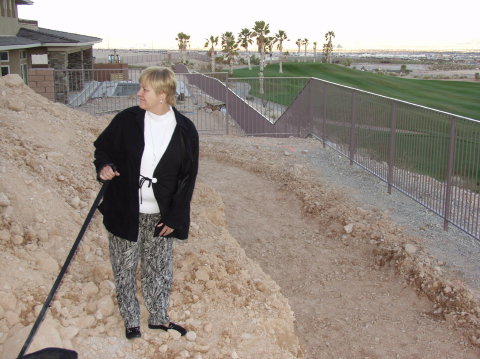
156,258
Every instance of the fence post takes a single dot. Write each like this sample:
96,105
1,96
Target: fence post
324,122
451,165
309,125
225,115
352,128
392,146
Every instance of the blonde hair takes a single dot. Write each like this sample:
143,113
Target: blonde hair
161,80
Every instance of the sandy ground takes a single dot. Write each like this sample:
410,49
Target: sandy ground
280,263
351,297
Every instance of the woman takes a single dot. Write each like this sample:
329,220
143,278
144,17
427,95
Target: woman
149,153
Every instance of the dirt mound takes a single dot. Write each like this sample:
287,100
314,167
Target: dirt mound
231,307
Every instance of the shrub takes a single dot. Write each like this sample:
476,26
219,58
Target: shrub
254,60
477,76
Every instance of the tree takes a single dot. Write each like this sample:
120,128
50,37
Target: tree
299,45
269,42
260,32
212,41
245,39
183,41
314,51
305,43
328,47
229,48
280,37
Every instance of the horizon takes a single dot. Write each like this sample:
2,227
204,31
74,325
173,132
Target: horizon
357,26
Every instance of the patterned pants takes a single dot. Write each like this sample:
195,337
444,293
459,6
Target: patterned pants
156,258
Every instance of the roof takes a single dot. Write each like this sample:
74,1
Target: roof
45,37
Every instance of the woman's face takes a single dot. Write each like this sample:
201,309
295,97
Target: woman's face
149,100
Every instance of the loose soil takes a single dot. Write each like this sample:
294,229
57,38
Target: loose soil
349,299
280,263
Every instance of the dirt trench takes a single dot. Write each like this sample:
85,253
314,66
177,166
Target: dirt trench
349,298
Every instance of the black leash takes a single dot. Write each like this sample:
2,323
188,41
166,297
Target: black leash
63,270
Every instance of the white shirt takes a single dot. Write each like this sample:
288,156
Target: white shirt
158,131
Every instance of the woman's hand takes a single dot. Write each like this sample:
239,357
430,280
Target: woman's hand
166,230
107,173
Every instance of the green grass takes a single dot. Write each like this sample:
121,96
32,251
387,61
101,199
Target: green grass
422,142
456,97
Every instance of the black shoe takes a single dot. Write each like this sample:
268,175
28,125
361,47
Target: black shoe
134,332
172,326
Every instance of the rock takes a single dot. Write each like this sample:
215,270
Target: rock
348,228
90,289
202,274
54,156
46,263
13,80
15,105
17,239
201,348
75,202
102,271
410,248
8,301
86,321
4,235
208,328
15,341
48,336
69,332
4,200
12,318
191,336
174,334
106,306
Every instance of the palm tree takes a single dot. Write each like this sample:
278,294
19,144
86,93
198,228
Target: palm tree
230,48
328,46
212,41
245,39
280,37
269,42
260,31
183,41
305,43
299,44
314,51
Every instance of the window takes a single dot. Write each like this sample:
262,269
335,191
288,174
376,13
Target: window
40,59
24,69
23,54
5,70
4,56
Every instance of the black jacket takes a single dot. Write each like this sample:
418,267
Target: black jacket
122,144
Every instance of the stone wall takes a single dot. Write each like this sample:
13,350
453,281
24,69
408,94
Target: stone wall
41,81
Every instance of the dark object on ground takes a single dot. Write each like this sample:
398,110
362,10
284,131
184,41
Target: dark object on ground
173,326
52,353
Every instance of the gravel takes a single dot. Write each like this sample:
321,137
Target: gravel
459,251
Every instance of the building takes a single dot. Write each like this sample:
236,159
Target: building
25,47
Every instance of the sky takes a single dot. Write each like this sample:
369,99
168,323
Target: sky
367,24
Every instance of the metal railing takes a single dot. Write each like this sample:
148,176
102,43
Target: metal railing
108,91
429,155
